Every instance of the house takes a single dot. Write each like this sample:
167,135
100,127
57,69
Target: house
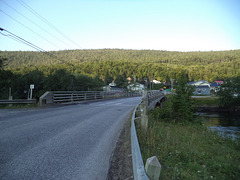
156,81
214,87
202,90
136,87
202,87
199,83
112,87
219,82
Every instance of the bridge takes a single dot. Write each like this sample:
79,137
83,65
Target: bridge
154,98
66,142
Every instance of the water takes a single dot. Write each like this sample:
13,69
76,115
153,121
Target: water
226,124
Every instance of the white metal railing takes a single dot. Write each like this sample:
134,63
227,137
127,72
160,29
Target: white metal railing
138,166
75,96
72,96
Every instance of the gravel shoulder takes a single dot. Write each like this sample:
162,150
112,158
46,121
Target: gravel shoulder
121,162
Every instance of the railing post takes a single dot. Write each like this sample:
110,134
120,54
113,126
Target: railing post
153,168
144,116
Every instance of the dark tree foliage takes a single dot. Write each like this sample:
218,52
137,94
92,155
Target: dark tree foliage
182,103
229,93
88,69
211,66
179,107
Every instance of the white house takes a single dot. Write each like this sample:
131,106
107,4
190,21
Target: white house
199,83
202,87
156,81
136,87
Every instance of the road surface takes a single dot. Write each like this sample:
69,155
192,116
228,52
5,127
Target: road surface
66,142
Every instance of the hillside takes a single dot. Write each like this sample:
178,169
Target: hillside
159,65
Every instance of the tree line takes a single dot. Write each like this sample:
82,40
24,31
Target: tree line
60,80
102,66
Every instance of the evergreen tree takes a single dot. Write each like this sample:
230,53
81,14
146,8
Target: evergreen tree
229,93
182,102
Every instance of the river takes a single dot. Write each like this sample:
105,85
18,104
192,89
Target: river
226,124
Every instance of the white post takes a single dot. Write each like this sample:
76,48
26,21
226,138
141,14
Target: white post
30,93
144,117
31,88
10,94
153,168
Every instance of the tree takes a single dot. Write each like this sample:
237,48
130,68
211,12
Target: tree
229,93
182,102
121,81
5,79
179,107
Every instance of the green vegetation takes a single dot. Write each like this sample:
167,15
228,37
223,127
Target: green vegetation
213,65
190,151
179,107
90,69
185,147
205,101
229,93
60,79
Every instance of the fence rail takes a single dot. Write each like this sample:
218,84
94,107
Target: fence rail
138,166
76,96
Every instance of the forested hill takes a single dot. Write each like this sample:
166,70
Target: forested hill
212,65
28,58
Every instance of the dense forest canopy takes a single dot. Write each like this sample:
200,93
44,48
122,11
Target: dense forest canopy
153,64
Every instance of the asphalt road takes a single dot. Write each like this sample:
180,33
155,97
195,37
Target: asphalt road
67,142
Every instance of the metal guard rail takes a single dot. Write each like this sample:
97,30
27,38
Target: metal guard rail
72,96
138,166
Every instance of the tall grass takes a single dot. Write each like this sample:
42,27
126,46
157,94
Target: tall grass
190,151
206,101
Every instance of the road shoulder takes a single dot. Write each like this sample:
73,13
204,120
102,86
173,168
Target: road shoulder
121,162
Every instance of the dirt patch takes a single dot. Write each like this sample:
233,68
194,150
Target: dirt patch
121,163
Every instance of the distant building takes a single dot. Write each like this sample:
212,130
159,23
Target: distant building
202,90
219,82
199,83
214,87
202,87
136,87
156,82
112,87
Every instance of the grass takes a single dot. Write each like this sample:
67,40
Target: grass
190,151
206,101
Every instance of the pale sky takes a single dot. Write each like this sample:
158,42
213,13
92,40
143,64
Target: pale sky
173,25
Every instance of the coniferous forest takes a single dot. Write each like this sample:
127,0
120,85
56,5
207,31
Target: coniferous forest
91,69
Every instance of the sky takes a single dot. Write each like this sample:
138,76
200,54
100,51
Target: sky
172,25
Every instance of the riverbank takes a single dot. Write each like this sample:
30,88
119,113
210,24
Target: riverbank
190,151
209,104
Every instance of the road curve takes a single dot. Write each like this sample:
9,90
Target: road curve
67,142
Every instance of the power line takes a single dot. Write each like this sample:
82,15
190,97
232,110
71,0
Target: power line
23,41
30,29
34,23
46,21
